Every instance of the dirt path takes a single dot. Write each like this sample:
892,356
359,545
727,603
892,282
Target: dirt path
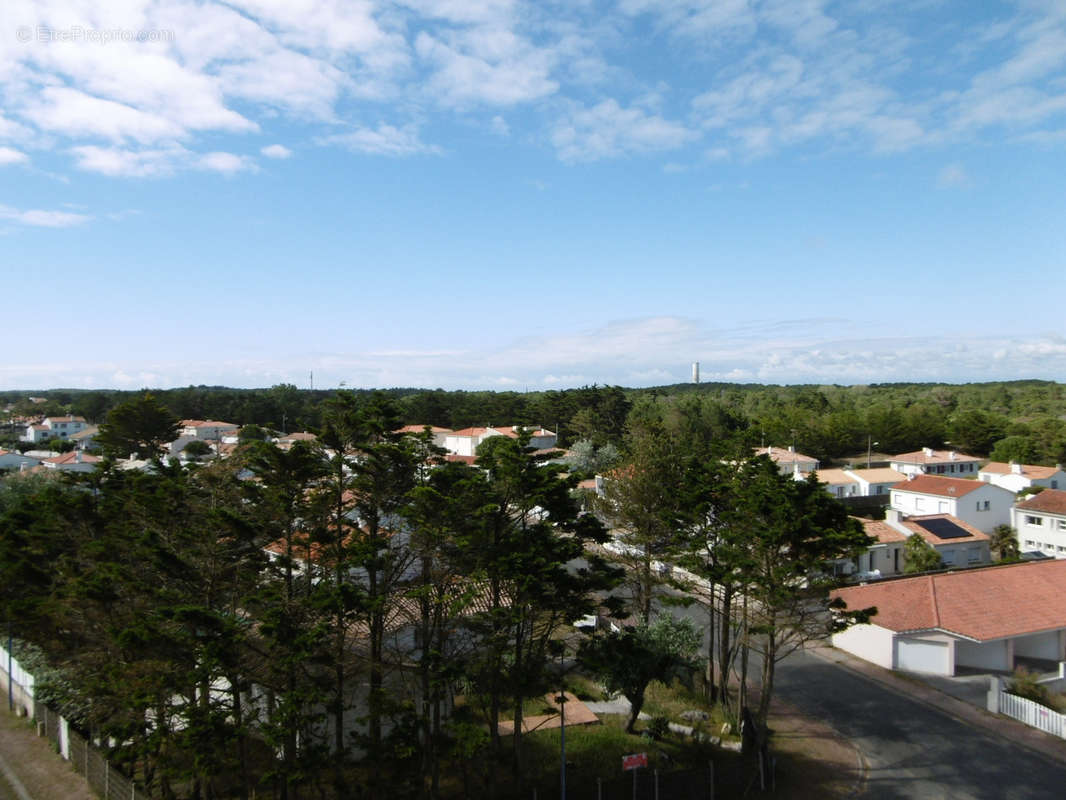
814,761
36,771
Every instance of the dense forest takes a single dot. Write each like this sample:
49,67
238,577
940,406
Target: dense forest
1020,420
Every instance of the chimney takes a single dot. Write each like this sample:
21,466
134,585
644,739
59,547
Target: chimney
792,448
77,456
953,455
928,451
892,515
1015,468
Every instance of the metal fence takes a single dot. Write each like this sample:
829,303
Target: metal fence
104,779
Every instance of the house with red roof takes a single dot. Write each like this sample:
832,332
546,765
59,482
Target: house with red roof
54,428
928,461
788,460
977,503
995,619
1015,476
465,442
958,543
1040,522
74,461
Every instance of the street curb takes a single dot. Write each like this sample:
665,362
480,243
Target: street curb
1033,740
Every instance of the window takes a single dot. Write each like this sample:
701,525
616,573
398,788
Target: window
1035,521
1054,484
984,505
1062,524
1030,544
948,557
973,555
918,504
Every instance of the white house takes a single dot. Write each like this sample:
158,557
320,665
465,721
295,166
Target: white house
977,503
465,442
876,481
991,619
843,483
1040,522
840,483
54,428
959,544
439,434
1015,477
788,460
928,461
207,429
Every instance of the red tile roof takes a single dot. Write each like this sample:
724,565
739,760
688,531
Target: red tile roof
935,457
980,604
939,485
420,428
1050,500
882,531
1028,470
469,432
783,454
72,458
461,459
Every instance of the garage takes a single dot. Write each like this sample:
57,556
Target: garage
922,655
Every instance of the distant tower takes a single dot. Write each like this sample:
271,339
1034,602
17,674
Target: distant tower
695,371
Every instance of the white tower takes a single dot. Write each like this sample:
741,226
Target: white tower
695,371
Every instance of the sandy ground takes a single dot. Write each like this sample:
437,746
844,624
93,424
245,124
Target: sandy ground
35,765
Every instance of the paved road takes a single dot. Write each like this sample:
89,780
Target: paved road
912,750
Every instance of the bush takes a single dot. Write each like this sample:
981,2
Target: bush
1024,684
658,727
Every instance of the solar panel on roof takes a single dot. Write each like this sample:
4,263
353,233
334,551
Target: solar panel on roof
943,528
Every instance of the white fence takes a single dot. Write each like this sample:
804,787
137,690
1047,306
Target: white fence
1033,714
22,691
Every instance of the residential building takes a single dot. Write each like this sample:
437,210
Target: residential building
977,503
74,461
788,460
14,460
465,442
928,461
1040,522
85,439
207,429
877,481
959,544
439,434
995,618
54,428
847,482
1015,477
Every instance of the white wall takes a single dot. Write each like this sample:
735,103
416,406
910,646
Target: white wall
983,655
869,642
1047,645
932,653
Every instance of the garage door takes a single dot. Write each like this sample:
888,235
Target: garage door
920,655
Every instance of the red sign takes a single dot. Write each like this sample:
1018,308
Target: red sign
635,760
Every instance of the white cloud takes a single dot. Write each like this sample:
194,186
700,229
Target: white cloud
74,113
43,219
607,130
499,126
276,151
491,66
9,155
385,140
226,163
122,162
953,176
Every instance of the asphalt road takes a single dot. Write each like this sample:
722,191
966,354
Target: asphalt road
912,750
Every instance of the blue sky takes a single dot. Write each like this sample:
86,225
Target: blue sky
514,195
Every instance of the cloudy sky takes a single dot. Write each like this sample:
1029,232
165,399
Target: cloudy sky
501,194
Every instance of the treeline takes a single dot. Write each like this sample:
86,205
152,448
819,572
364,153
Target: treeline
1021,420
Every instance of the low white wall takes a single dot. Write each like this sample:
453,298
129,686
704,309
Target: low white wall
869,642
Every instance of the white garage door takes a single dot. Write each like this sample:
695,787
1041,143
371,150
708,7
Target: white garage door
920,655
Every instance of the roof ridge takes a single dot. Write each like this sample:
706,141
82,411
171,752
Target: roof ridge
932,597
